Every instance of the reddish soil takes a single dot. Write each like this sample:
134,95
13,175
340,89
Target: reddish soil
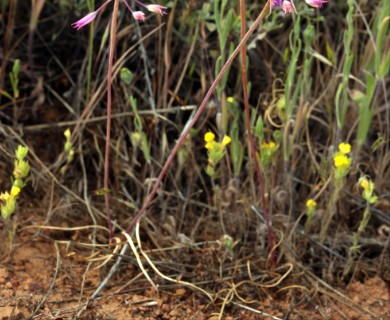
27,276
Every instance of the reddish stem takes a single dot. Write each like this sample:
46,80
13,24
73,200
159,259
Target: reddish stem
109,104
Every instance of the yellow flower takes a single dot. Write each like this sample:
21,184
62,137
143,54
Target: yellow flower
341,161
4,196
209,137
270,146
345,148
67,133
209,145
230,99
226,140
311,204
365,184
15,191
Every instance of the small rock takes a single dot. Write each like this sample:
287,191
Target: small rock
181,292
165,308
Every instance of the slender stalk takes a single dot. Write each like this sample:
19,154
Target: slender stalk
91,7
250,135
109,104
197,115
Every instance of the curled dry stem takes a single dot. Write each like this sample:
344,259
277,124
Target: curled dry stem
184,283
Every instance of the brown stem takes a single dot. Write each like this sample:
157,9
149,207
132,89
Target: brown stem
109,104
196,117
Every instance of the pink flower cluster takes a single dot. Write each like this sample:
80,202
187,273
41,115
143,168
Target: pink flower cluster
137,15
287,6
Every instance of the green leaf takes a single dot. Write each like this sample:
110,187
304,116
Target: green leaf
126,76
16,67
384,66
145,148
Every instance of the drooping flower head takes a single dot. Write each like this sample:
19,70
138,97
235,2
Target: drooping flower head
84,21
137,15
156,8
287,7
316,3
89,17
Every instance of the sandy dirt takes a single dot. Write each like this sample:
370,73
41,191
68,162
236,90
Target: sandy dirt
27,291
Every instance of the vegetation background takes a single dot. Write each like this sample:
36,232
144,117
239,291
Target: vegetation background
316,79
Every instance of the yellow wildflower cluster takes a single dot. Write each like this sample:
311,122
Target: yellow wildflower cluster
268,146
342,160
267,149
215,151
211,144
21,170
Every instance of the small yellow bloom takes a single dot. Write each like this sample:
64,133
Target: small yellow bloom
264,145
15,191
230,99
365,184
67,134
345,148
226,140
341,161
209,137
4,196
270,146
208,146
311,204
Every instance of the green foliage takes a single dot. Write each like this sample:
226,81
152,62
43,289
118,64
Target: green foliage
139,138
237,149
21,170
341,100
126,76
14,78
378,68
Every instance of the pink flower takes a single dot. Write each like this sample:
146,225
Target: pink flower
84,21
156,8
316,3
139,15
287,7
276,3
89,17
